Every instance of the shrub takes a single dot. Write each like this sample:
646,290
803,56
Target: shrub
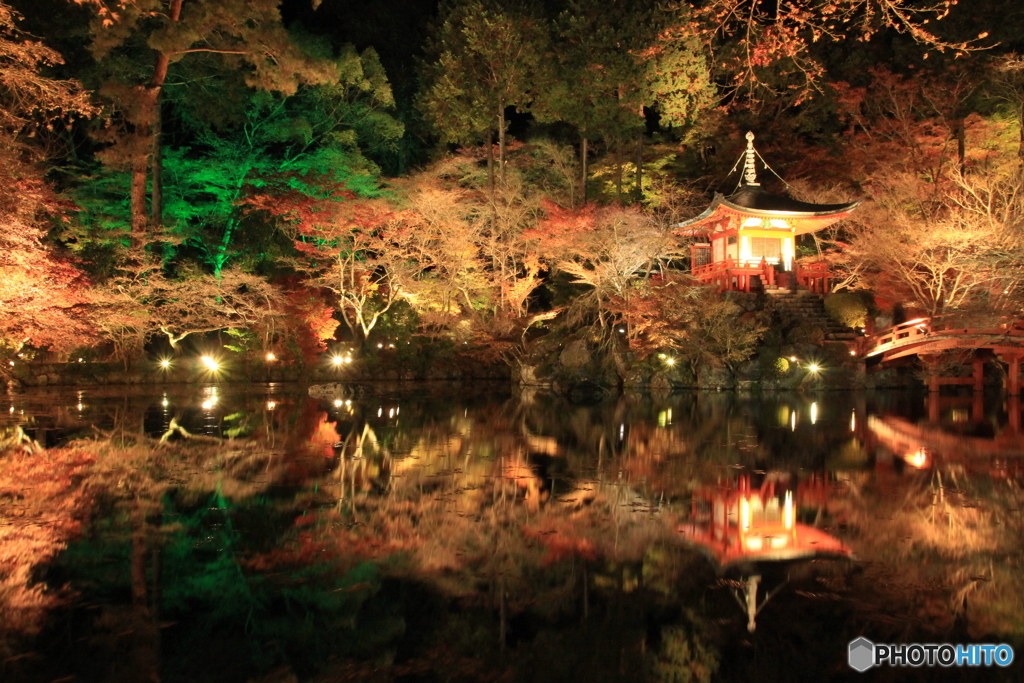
846,309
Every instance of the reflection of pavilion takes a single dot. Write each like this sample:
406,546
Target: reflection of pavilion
745,524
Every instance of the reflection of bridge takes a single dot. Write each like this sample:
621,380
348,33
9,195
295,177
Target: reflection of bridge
926,338
922,445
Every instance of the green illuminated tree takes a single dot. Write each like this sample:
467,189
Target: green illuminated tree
246,34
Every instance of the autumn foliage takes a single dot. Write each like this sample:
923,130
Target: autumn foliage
42,506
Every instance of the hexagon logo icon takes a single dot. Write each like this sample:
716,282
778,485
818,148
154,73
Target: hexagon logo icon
862,654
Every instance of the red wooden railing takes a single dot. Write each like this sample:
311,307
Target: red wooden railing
813,276
733,274
921,328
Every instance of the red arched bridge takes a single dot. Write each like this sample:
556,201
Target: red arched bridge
926,338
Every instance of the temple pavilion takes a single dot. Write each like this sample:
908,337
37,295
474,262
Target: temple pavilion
747,240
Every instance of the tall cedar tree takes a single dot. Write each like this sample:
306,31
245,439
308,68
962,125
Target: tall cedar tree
486,56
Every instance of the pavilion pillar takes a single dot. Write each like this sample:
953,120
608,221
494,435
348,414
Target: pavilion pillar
1013,413
933,408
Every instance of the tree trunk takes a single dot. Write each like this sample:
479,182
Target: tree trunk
583,168
490,162
640,168
140,171
618,171
156,201
961,144
1020,127
147,138
501,142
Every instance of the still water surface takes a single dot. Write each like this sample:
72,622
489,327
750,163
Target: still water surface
439,533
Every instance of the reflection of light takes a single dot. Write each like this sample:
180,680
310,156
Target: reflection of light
787,511
380,346
12,409
959,415
380,411
209,403
917,459
853,420
337,403
271,405
792,421
165,402
792,359
744,514
397,409
391,413
348,402
165,363
852,352
779,542
79,407
211,364
755,543
814,412
271,356
622,432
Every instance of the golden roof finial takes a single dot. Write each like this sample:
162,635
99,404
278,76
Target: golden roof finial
749,172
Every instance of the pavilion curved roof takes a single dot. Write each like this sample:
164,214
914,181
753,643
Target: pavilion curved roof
751,201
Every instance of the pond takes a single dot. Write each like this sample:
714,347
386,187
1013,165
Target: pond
460,533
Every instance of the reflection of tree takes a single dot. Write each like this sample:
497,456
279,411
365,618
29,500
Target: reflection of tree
318,529
945,544
41,507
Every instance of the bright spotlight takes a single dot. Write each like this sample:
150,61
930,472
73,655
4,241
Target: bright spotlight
271,356
337,360
211,364
670,361
813,367
165,363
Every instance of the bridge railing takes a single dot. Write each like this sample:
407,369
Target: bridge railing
904,332
917,329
